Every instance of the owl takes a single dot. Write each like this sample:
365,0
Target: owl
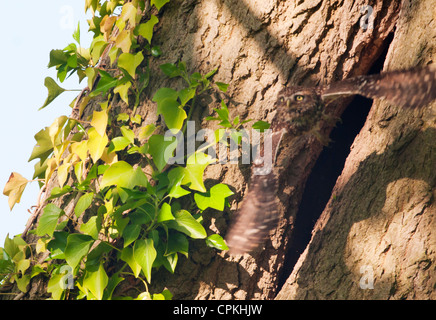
299,111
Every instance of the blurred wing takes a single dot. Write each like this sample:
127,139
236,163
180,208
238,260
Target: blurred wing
259,211
411,88
257,216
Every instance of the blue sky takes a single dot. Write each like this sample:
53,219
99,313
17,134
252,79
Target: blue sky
30,29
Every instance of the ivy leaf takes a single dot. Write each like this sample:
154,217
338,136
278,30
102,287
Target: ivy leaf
131,233
122,90
14,188
195,166
76,34
105,83
57,58
144,254
48,221
214,198
92,227
216,241
128,134
54,90
222,86
177,242
96,144
127,256
173,114
43,147
170,70
175,177
118,143
96,281
146,29
124,40
165,213
99,121
162,94
161,150
261,125
186,95
123,175
77,247
83,203
159,3
185,222
130,62
146,131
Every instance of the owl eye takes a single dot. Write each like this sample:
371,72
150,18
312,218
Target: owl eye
298,97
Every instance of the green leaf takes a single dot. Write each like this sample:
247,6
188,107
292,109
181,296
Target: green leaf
128,134
261,125
76,34
43,147
222,86
77,247
162,94
158,3
127,256
146,29
186,95
170,70
92,227
185,222
144,254
96,281
165,213
161,150
57,58
195,166
118,143
53,91
105,83
173,114
146,131
123,89
214,198
216,241
83,203
48,221
130,62
123,175
131,233
177,242
175,177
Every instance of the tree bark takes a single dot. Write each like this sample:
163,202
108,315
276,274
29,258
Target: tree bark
374,239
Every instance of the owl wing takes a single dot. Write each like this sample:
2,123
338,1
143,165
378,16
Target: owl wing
259,212
411,88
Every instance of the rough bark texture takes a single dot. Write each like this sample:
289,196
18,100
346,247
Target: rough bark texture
375,238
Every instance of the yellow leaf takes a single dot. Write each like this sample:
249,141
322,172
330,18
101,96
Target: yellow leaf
124,40
96,144
56,128
109,157
123,89
63,173
99,121
130,14
14,188
80,149
106,26
51,166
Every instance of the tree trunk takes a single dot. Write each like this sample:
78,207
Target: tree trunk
374,239
380,214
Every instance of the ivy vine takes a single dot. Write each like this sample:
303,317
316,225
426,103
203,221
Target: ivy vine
126,220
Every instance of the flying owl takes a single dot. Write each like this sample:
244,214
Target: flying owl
299,111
